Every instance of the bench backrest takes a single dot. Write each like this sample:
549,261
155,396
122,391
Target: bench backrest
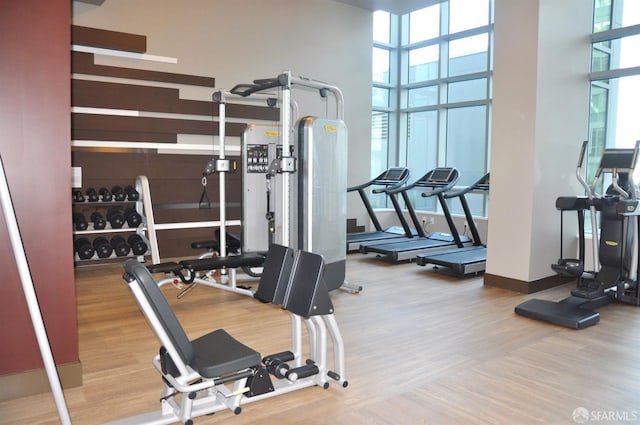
165,316
275,275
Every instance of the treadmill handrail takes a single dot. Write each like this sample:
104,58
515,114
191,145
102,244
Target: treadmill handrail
481,184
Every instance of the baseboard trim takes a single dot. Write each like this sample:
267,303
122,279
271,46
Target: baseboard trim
35,381
523,286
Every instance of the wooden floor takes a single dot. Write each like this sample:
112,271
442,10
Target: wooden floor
421,348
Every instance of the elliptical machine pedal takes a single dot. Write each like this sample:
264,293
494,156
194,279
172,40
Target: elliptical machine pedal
568,267
588,293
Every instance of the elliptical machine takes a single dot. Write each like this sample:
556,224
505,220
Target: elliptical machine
615,250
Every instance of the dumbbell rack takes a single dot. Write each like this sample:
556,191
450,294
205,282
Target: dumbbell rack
108,230
147,228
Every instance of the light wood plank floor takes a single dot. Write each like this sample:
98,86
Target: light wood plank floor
421,348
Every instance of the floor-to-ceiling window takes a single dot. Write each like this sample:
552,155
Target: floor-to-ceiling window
432,71
615,77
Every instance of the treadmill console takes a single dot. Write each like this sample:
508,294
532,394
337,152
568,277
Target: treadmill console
483,184
440,175
393,175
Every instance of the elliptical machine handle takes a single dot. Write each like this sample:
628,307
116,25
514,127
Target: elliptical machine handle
592,210
581,179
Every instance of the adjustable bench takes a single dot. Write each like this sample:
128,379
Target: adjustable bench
189,272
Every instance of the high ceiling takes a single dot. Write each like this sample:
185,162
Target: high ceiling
397,7
394,6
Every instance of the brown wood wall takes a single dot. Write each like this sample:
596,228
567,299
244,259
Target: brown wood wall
34,143
175,183
174,179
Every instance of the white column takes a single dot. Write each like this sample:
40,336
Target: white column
540,118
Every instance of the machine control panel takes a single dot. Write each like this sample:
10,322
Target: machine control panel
257,158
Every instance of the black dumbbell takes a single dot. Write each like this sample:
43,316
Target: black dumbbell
99,222
77,196
118,194
138,245
115,217
133,218
105,194
132,194
79,222
102,247
120,246
92,195
83,248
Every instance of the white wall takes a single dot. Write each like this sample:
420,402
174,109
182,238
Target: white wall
237,41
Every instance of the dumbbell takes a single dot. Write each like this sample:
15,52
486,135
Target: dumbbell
84,248
102,247
77,196
133,218
79,222
115,217
99,222
138,245
92,195
120,246
132,194
118,194
106,195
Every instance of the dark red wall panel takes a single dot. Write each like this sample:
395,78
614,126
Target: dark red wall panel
35,148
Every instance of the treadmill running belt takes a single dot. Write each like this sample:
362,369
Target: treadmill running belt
458,256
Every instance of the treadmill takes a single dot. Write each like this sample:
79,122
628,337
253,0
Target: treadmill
470,259
392,178
435,183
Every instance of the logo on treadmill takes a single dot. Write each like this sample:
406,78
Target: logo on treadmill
271,133
611,243
330,128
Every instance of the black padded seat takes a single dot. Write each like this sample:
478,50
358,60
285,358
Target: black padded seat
168,267
212,355
218,354
233,243
275,275
232,262
214,245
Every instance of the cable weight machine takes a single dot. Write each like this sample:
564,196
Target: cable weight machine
294,177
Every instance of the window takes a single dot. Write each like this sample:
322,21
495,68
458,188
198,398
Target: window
468,55
467,14
615,78
424,24
432,93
